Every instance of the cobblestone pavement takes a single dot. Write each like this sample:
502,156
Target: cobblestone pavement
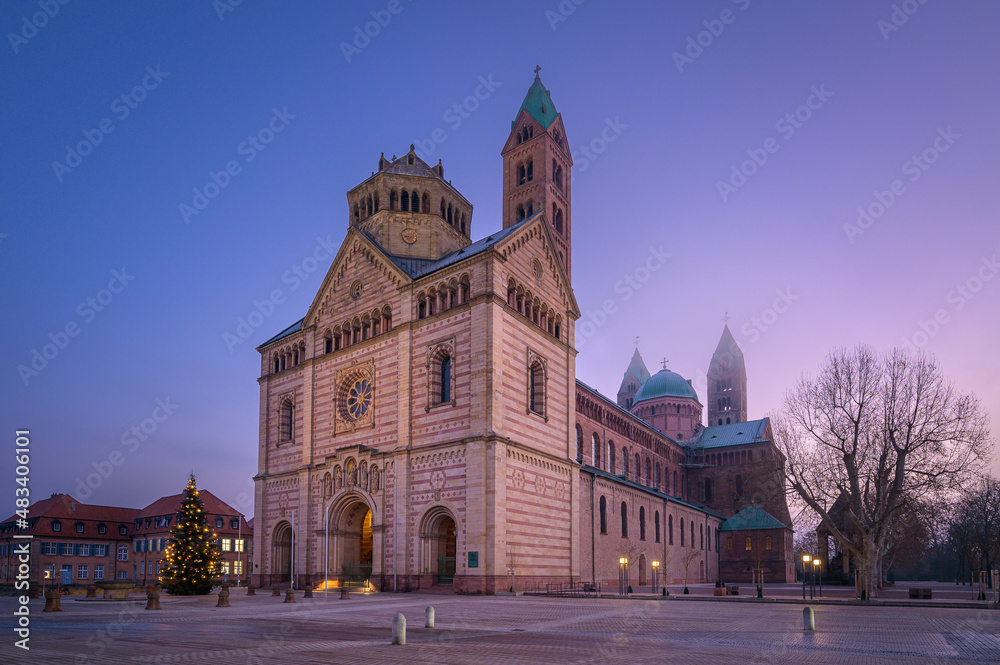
484,630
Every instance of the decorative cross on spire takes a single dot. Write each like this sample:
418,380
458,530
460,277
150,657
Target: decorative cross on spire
538,68
636,342
725,319
664,362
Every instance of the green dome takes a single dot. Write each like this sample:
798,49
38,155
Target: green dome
665,384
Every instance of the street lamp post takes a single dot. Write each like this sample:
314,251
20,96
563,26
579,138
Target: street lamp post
805,567
622,576
656,569
819,574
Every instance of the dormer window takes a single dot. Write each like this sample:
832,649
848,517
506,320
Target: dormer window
409,160
102,529
234,523
79,527
218,522
56,525
122,531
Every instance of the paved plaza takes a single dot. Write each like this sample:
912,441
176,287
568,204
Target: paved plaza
526,629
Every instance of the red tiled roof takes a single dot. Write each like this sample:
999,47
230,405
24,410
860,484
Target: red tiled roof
65,507
169,505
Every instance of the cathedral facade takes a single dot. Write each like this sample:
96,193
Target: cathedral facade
423,423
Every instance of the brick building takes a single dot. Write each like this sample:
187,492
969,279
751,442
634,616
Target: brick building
423,423
90,542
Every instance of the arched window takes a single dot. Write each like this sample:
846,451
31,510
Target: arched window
659,475
692,534
328,342
425,203
638,469
677,490
656,521
444,380
287,421
708,490
642,523
451,215
464,290
414,202
625,463
768,543
443,210
604,515
531,170
670,529
611,457
559,220
386,318
520,216
531,209
649,472
536,389
392,200
749,544
682,532
701,536
624,520
597,450
579,443
729,543
277,364
521,174
404,201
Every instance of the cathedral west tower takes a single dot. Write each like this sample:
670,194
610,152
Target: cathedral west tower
536,168
727,383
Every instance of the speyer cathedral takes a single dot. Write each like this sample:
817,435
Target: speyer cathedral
423,424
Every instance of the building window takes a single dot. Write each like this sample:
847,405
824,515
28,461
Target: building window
224,568
701,536
604,515
625,463
624,520
83,572
237,567
642,523
729,543
227,545
692,534
708,490
531,170
579,444
85,549
102,529
56,525
536,388
100,550
238,545
649,472
98,573
444,373
123,552
670,529
638,469
521,174
122,531
79,527
234,523
122,574
597,450
611,456
218,522
142,567
287,421
767,543
749,544
656,520
49,549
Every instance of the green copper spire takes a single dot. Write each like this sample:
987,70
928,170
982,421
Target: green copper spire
538,103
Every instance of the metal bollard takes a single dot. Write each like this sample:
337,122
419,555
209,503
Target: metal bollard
289,595
399,629
223,596
308,592
275,591
251,591
152,598
808,619
429,617
344,593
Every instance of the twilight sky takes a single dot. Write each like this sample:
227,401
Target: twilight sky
825,172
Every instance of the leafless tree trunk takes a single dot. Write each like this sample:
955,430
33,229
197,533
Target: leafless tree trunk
871,435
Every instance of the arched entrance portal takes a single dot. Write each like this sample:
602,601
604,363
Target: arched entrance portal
353,544
438,546
281,553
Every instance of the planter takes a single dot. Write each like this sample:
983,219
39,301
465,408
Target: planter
116,590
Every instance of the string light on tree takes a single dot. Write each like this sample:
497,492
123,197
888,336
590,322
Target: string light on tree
192,560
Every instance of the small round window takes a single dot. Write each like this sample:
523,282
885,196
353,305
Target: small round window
359,399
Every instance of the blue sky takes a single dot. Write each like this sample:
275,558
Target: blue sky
741,138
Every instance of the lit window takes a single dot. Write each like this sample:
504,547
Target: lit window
224,568
767,543
729,544
226,545
749,545
237,567
238,545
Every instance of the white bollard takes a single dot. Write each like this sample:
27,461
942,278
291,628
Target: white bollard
399,629
429,617
808,619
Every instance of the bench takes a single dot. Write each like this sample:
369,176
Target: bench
733,590
920,592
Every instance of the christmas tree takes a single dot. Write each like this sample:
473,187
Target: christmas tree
192,555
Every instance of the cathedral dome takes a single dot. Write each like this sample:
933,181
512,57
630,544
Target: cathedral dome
665,384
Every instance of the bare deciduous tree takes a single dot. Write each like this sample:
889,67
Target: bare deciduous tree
877,432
